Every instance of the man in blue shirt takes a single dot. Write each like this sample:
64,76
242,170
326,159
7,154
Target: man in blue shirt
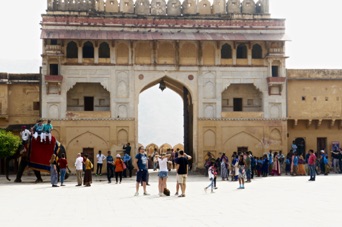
110,167
141,164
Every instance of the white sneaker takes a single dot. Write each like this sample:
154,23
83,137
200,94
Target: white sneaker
136,194
145,193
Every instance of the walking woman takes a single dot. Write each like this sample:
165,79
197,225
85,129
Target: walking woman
119,168
53,171
241,166
87,175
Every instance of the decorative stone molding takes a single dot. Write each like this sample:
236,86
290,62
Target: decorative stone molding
158,7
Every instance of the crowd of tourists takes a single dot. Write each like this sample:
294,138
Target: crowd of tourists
244,166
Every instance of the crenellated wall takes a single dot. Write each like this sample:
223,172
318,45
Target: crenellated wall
161,7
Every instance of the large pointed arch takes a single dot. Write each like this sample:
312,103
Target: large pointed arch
184,92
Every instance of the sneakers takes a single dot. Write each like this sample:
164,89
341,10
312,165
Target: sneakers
145,193
182,195
176,193
136,194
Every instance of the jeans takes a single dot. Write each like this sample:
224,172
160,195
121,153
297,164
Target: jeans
335,164
211,184
99,168
54,175
110,172
312,170
248,174
63,172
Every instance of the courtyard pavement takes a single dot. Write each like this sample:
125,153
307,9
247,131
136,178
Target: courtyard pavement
272,201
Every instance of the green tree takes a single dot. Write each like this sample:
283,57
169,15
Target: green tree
9,143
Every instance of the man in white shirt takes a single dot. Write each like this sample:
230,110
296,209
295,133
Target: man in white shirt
25,135
100,158
79,169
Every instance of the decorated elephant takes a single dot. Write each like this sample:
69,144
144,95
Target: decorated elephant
36,156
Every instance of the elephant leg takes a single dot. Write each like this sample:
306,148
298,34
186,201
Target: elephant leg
22,165
38,175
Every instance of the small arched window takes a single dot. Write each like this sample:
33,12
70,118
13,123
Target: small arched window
257,52
72,50
104,51
88,50
241,52
226,51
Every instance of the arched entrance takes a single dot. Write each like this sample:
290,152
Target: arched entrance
185,95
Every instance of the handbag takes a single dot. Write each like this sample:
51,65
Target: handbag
124,166
166,192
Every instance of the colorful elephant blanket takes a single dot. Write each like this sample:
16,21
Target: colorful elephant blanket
40,154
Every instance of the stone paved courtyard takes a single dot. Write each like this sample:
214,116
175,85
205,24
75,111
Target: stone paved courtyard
276,201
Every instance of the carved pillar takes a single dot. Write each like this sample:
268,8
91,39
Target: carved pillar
112,53
177,53
234,52
131,52
249,53
200,53
218,53
80,54
270,67
154,52
96,52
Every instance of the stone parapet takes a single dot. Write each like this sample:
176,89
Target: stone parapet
174,7
307,74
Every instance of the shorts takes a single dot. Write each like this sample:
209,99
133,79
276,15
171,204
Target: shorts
181,178
162,174
142,175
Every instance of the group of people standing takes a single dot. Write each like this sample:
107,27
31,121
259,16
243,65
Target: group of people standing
244,166
182,166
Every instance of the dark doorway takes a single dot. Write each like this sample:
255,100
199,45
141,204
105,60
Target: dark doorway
237,104
300,142
242,149
321,143
90,152
88,103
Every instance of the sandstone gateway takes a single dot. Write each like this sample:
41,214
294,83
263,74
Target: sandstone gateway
226,59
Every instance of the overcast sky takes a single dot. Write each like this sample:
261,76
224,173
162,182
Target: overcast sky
313,26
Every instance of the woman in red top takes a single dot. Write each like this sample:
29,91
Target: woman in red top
119,168
63,164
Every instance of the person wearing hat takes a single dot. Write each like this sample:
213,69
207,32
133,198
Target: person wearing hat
25,135
119,168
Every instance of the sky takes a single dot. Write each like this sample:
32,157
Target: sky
313,27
